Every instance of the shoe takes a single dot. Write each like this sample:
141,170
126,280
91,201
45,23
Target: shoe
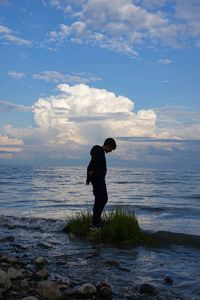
92,227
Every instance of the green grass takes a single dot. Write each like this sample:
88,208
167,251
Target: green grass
120,227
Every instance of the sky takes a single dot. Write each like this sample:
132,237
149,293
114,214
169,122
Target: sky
73,73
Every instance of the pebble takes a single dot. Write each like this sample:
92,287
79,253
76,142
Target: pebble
40,260
43,273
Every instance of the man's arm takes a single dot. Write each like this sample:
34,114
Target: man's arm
95,157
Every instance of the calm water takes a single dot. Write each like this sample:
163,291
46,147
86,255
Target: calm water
35,201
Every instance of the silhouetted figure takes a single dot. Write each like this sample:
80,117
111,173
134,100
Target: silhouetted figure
96,172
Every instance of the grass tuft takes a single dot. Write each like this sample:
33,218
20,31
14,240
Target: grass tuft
120,227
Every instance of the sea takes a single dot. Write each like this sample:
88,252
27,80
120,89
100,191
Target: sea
36,202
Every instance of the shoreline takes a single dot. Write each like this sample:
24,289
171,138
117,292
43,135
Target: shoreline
30,279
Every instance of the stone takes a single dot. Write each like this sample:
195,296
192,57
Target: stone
40,261
104,289
49,290
24,283
43,274
146,288
5,281
14,273
87,289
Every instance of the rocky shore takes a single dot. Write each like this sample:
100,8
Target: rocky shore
20,282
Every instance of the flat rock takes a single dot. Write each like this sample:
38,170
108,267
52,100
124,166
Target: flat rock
49,290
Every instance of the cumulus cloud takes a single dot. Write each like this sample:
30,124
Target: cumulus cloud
16,75
103,112
58,77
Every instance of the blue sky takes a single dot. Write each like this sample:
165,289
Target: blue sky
73,74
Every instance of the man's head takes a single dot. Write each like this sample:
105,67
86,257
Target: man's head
109,145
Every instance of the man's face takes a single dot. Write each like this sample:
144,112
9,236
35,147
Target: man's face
108,149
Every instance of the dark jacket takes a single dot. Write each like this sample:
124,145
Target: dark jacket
97,164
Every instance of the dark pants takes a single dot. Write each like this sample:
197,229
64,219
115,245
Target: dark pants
101,198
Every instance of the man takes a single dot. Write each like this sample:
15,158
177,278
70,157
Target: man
96,172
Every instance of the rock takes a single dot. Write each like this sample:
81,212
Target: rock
40,261
104,289
146,288
87,289
30,298
24,283
43,274
49,290
168,280
5,281
14,273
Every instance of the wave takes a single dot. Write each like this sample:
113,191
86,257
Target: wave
55,225
173,238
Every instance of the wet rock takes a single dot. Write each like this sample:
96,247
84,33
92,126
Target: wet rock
5,281
49,290
87,289
43,274
146,288
14,273
104,289
24,283
40,261
168,280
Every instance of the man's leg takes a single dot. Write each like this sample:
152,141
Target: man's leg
101,198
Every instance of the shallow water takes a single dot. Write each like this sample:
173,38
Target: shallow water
35,201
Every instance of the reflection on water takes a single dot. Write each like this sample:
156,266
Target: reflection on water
164,199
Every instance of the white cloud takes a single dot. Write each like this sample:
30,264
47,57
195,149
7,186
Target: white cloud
8,106
103,113
16,75
165,61
9,146
5,30
58,77
122,25
16,40
8,35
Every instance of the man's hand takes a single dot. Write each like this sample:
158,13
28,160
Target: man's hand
90,173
